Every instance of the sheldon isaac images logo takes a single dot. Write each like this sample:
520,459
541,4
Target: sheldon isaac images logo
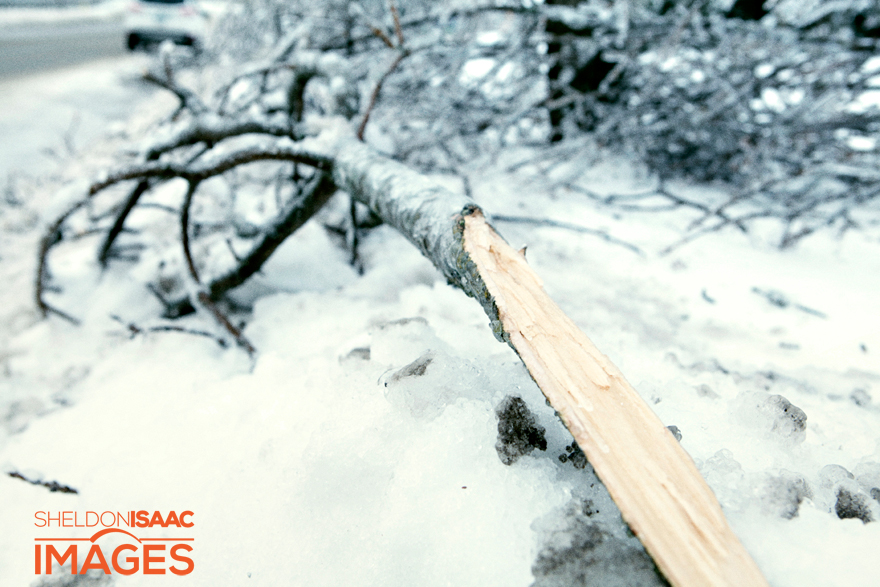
124,550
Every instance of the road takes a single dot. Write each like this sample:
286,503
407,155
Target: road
26,49
62,86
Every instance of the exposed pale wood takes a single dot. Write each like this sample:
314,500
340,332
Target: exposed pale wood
654,482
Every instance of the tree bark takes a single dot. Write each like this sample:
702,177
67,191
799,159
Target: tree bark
654,482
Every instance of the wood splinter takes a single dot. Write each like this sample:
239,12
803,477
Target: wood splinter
653,481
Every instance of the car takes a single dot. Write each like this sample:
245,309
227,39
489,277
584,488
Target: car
149,22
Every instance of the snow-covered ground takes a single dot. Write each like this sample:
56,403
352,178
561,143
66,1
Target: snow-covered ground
326,461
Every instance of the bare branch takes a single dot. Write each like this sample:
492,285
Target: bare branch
567,226
184,229
52,486
206,169
378,32
134,330
240,338
212,129
397,28
375,95
115,230
295,214
188,98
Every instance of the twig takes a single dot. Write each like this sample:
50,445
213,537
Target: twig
205,170
232,250
375,95
352,237
172,328
378,32
397,28
118,224
297,212
208,130
50,238
53,310
52,486
567,226
224,321
134,329
295,94
188,98
184,229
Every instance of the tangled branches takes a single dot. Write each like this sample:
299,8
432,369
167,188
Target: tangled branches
241,167
779,113
202,147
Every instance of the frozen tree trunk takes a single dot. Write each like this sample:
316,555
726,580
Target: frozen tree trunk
652,479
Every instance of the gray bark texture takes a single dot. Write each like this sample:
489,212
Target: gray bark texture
428,214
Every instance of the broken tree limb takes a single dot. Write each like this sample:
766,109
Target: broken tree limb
654,482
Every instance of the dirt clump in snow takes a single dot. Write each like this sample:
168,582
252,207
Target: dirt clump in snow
583,554
574,455
786,493
518,432
852,505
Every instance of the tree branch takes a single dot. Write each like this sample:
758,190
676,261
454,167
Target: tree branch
188,98
659,490
375,95
295,214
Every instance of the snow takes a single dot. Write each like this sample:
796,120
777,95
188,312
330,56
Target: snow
865,102
861,143
358,447
476,69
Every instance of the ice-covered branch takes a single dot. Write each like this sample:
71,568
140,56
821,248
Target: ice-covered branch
210,167
188,98
293,216
652,479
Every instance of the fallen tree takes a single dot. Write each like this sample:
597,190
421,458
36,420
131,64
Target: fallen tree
263,125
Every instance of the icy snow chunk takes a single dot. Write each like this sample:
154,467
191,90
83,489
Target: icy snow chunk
788,419
774,415
402,341
868,475
435,379
518,432
834,474
505,72
415,369
844,495
860,397
670,63
727,479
